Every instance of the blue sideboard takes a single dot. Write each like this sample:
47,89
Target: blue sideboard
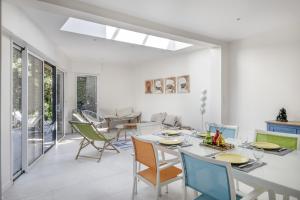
284,127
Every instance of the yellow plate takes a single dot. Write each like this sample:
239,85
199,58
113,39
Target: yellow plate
232,158
170,141
171,132
265,145
202,134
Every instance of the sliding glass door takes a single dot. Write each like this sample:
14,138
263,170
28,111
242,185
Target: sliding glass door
35,108
87,93
16,123
60,103
49,106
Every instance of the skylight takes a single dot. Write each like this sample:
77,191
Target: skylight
130,37
93,29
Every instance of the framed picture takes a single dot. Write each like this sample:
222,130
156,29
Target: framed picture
183,84
148,86
158,86
170,85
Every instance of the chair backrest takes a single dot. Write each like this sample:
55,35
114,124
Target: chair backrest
290,141
76,116
87,130
148,128
210,177
145,152
228,131
92,117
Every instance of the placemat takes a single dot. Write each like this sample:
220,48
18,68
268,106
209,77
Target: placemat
278,152
246,167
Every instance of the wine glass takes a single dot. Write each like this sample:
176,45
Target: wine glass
258,154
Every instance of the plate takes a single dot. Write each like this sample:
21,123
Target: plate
265,145
170,141
171,132
202,134
232,158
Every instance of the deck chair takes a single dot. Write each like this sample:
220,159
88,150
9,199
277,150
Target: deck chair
90,135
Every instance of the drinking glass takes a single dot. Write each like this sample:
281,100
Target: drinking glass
258,154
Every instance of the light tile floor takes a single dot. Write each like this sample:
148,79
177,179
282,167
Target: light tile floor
58,176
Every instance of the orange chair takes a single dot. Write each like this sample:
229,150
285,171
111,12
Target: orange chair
157,173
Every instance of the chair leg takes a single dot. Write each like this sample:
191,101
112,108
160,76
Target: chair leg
110,144
157,192
101,152
80,148
167,189
237,185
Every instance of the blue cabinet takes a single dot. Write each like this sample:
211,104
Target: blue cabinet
292,127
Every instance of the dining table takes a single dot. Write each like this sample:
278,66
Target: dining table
280,174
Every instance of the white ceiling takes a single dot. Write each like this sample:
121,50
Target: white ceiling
81,48
213,18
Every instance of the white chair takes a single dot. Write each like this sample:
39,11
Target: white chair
228,131
157,173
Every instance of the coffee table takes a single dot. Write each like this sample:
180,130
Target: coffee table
125,127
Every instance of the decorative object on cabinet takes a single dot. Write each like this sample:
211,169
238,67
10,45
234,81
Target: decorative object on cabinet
282,117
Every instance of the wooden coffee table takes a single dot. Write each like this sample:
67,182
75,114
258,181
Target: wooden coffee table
125,127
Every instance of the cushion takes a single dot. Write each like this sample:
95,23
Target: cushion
170,120
124,112
158,117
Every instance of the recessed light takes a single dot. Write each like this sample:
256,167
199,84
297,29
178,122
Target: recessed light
238,19
93,29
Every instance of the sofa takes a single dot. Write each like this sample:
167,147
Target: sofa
167,120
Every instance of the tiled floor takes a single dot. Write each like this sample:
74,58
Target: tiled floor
57,176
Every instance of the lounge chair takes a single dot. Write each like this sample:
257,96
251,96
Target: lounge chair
90,135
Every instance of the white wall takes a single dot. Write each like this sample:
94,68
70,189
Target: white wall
114,85
204,68
19,27
264,76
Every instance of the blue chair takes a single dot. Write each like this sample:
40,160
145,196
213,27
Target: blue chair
228,131
212,178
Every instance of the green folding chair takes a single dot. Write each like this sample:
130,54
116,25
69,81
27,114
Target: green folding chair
90,135
286,140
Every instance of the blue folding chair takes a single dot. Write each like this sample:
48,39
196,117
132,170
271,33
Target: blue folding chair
212,178
228,131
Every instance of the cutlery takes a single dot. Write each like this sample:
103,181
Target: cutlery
281,149
247,164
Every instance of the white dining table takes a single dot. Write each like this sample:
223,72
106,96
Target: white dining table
280,175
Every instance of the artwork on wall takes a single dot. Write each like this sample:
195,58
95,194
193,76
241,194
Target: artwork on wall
170,85
183,84
148,86
158,86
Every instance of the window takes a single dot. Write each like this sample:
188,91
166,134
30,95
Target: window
87,93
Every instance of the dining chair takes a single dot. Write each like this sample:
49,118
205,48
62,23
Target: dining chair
91,135
228,131
157,173
212,178
148,128
286,140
